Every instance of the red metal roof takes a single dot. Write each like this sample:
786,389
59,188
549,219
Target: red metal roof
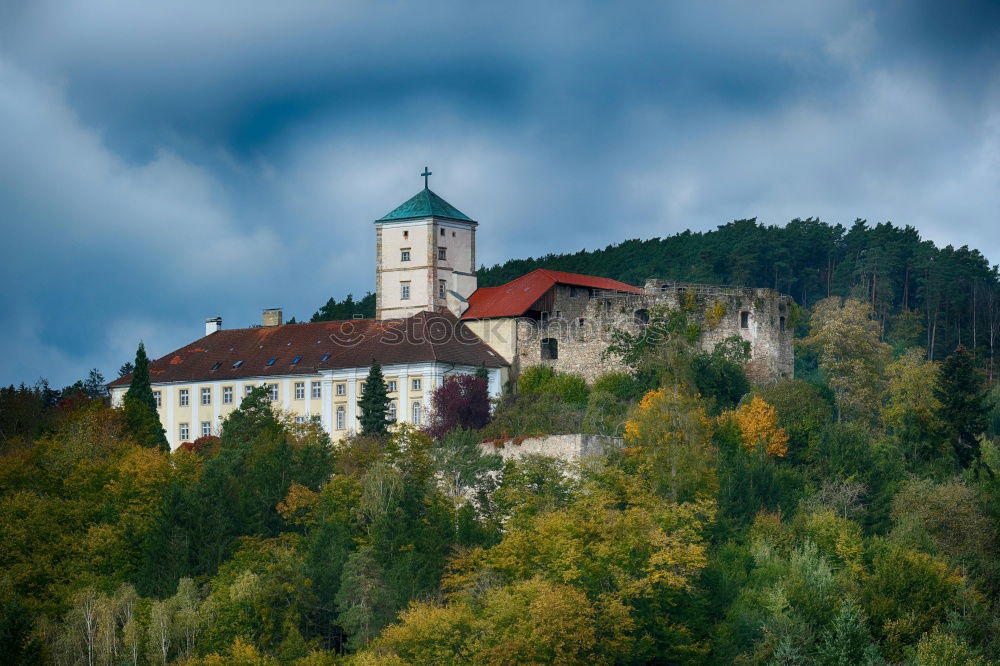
514,298
353,343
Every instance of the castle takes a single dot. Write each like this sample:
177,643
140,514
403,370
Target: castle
432,320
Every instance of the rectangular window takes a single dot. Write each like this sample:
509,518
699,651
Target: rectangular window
182,397
404,291
247,389
340,418
300,419
317,390
227,395
392,386
404,254
314,418
744,319
341,389
442,253
362,388
184,432
158,398
415,384
206,428
206,396
300,390
442,286
272,392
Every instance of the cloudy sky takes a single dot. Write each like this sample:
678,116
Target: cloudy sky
165,162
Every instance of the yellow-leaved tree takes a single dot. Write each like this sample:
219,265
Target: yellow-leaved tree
758,425
671,433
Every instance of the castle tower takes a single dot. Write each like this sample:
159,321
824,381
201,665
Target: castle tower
425,257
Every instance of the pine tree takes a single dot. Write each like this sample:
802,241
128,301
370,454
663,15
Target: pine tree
374,402
962,393
140,406
94,385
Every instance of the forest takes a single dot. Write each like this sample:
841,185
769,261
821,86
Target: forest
848,516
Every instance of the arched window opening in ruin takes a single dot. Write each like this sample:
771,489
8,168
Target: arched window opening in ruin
781,323
744,319
550,349
642,317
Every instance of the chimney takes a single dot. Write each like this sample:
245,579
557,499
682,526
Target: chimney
272,317
212,325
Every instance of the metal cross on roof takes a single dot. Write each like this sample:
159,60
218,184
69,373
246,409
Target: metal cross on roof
425,174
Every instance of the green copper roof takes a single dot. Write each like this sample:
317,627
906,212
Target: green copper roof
425,204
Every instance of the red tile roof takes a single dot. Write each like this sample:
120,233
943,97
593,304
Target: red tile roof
514,298
352,343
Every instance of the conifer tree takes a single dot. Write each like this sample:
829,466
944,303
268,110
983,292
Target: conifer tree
962,395
374,403
140,406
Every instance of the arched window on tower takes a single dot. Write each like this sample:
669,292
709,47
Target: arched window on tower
550,349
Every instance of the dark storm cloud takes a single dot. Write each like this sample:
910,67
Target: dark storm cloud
164,163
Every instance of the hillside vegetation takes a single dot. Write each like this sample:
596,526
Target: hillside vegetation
848,516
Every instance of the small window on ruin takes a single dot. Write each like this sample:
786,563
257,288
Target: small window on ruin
579,322
550,349
781,323
744,319
572,292
642,317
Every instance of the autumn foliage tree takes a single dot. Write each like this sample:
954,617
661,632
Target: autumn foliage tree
462,401
758,425
670,431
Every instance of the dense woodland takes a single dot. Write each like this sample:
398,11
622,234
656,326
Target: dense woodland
921,294
848,516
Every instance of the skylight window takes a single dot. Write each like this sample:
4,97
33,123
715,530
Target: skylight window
218,364
326,357
271,362
237,364
296,360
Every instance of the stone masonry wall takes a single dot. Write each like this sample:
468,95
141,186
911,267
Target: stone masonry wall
571,448
582,325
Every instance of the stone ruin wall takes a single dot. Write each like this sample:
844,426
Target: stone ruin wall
582,325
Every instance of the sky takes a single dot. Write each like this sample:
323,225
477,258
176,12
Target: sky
161,163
